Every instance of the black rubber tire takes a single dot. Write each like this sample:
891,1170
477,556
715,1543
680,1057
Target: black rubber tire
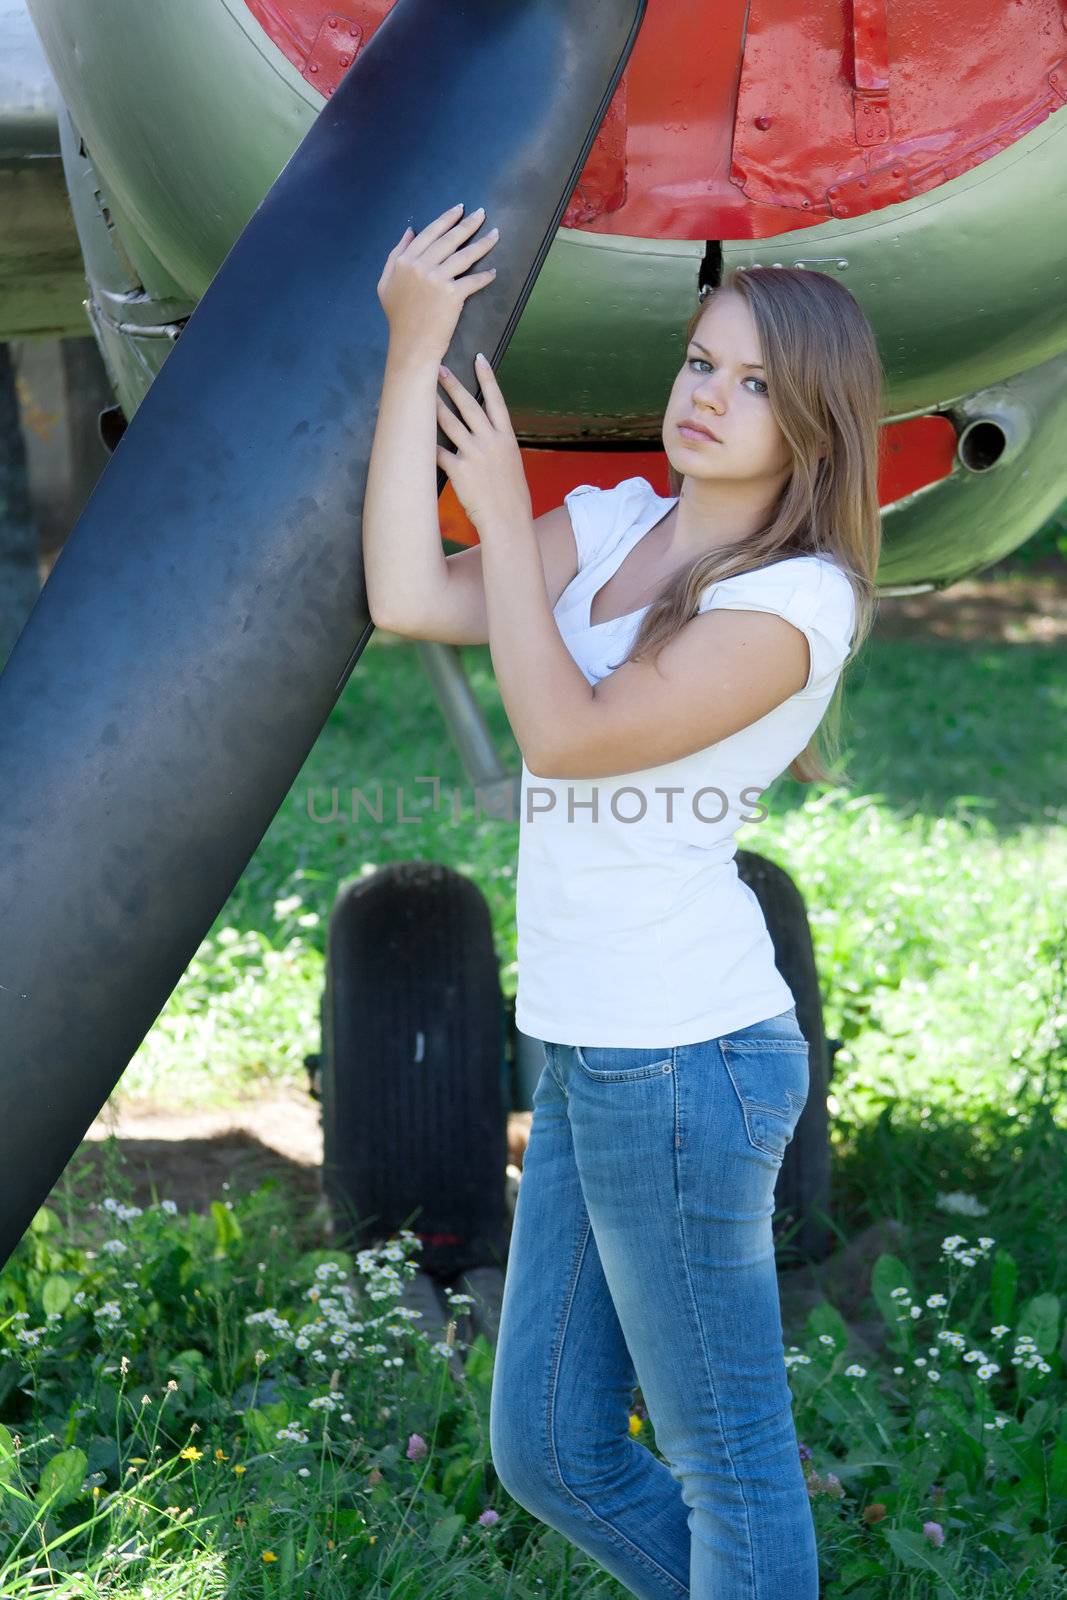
802,1193
413,1113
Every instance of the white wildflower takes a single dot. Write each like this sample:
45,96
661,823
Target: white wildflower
961,1205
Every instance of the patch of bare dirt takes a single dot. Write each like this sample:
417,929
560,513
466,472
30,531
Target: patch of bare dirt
1013,609
187,1155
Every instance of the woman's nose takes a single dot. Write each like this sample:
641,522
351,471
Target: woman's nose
711,390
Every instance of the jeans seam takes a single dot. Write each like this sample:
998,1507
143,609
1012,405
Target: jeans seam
708,1372
631,1550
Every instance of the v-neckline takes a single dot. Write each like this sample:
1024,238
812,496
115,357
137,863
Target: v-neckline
606,622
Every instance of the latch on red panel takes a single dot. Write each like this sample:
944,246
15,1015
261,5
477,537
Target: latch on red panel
336,46
870,72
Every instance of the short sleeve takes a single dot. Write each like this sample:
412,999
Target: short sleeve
598,515
812,594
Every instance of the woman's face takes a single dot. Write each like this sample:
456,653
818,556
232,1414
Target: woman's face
719,389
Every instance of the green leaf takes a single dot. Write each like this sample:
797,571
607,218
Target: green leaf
825,1318
62,1478
478,1363
968,1447
454,1476
56,1294
914,1550
7,1456
889,1273
44,1222
471,1503
261,1428
1034,1418
1057,1467
1002,1285
1041,1319
348,1522
853,1571
443,1533
227,1228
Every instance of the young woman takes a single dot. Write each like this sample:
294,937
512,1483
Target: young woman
662,660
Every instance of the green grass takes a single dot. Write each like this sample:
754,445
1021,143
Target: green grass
935,885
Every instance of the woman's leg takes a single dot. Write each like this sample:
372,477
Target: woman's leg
677,1151
563,1379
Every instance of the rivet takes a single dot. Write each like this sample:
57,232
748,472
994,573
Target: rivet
762,121
314,69
666,1066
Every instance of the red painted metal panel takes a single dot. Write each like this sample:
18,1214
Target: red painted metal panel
819,108
915,454
844,107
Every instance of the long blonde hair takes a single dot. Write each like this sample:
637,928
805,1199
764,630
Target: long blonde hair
824,380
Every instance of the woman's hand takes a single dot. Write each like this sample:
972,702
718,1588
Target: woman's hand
421,291
485,469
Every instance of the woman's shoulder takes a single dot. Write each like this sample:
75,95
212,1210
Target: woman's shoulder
800,587
597,514
619,494
821,573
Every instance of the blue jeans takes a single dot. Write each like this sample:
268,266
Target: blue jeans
641,1252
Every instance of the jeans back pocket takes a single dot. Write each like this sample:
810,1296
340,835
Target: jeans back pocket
770,1077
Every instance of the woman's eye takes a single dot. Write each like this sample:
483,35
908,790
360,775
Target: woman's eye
698,361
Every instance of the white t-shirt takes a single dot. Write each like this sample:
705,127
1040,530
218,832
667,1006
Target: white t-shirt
633,926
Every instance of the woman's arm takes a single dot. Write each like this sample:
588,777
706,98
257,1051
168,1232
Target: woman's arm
403,562
423,288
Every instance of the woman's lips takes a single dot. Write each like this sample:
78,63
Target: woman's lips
695,435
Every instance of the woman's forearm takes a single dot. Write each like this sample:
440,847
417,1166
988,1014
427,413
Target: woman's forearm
544,691
403,561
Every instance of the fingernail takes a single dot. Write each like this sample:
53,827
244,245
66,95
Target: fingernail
480,357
